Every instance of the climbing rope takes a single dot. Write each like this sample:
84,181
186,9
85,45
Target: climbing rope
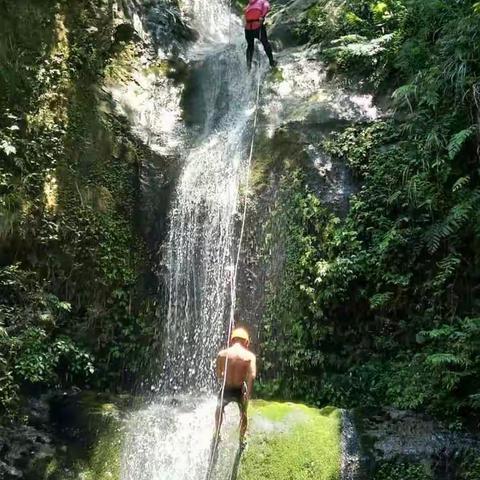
233,280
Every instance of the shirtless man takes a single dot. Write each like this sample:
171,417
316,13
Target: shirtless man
241,370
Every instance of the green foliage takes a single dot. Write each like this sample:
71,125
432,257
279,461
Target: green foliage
458,140
72,305
31,352
402,471
288,327
359,36
38,361
384,301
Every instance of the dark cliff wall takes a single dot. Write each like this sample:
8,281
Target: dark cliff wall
83,200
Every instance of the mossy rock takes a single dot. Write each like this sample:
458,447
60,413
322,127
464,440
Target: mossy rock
287,441
104,461
292,442
92,426
101,463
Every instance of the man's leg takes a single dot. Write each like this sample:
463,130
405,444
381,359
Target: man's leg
250,38
243,421
266,45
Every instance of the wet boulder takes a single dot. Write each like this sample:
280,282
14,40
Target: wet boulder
23,450
286,29
90,426
397,445
63,436
27,444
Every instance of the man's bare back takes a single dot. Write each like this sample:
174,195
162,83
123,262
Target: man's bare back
241,366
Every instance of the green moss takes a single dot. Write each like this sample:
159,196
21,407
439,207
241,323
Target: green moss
53,470
159,68
276,75
104,462
291,441
275,411
259,173
277,154
98,420
120,67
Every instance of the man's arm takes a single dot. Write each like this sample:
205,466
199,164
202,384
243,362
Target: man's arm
220,367
251,374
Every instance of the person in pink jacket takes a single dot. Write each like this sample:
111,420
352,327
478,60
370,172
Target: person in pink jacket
255,13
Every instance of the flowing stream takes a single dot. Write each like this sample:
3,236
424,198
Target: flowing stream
170,439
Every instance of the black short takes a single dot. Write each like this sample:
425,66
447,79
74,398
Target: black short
259,33
232,395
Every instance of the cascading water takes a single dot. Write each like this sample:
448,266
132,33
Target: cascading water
170,439
201,242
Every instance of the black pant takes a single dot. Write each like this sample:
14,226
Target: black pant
261,34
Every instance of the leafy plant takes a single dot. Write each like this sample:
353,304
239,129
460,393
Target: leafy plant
386,298
73,301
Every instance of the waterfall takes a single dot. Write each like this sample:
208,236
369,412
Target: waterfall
170,439
201,244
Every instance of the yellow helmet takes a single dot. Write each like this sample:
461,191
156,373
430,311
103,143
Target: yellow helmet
241,334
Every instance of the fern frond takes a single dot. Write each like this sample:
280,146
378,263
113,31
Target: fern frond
450,263
405,95
444,359
380,300
458,140
444,331
447,268
460,183
458,216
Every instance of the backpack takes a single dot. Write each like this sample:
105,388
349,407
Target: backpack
253,14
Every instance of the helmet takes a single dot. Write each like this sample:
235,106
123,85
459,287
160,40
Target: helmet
240,333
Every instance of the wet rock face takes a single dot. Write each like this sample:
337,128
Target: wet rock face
301,103
150,104
65,435
26,448
299,109
157,21
22,448
286,24
392,440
